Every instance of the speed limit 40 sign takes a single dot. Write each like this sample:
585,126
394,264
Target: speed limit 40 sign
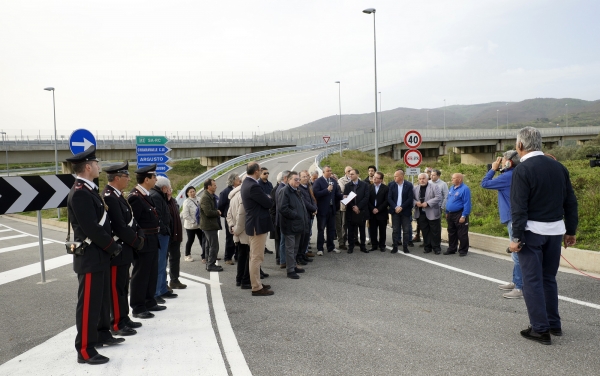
412,158
412,139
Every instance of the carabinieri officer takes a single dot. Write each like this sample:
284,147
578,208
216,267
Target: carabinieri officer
91,226
128,234
145,262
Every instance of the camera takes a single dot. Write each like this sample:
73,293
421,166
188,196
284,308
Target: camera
489,166
594,162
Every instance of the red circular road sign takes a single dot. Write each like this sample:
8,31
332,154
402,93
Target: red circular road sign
412,139
413,158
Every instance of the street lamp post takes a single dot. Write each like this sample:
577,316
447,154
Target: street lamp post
507,116
340,113
497,117
380,121
55,145
4,136
444,116
372,11
567,107
427,119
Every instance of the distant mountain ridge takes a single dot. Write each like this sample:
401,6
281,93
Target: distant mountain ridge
539,112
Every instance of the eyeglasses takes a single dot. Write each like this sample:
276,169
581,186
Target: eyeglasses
296,179
265,173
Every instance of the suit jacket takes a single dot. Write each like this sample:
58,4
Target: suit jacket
361,201
257,204
433,198
324,197
407,197
123,225
86,210
382,202
293,216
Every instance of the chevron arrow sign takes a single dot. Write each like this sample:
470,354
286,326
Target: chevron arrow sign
29,193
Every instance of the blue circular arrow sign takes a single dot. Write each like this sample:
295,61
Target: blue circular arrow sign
81,140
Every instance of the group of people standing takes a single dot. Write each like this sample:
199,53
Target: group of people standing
113,233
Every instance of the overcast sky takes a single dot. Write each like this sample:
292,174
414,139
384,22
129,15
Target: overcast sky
270,65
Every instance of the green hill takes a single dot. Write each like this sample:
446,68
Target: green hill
539,112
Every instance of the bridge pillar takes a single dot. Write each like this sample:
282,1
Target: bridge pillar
211,162
477,154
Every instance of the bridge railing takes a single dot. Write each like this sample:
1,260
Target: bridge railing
331,150
235,161
396,136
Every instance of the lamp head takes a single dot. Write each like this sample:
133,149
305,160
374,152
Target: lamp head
49,88
369,10
337,82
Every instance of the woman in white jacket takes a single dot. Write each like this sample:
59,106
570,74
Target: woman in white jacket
191,222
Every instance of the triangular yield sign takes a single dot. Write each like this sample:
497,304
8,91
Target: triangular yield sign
326,139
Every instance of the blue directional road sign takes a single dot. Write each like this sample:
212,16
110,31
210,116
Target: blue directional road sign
151,149
161,168
81,140
152,159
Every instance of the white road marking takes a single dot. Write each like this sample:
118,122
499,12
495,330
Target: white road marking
296,165
560,297
178,341
15,236
33,269
35,235
233,352
5,230
22,246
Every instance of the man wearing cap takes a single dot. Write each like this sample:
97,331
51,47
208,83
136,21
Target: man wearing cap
87,214
145,262
127,233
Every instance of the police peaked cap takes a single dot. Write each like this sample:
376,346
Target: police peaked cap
121,168
146,170
85,156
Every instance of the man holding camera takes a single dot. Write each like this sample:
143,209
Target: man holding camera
544,214
501,183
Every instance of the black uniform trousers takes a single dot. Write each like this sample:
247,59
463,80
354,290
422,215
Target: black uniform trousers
243,266
119,289
458,232
353,230
93,312
174,260
326,220
143,281
377,232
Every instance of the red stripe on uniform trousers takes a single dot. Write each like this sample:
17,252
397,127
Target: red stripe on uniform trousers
115,297
86,315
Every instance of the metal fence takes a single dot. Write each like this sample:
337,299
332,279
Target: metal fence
396,136
246,157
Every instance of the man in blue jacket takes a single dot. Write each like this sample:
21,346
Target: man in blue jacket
400,200
505,165
458,208
328,195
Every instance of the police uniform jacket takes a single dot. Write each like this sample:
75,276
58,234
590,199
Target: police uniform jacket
90,221
123,225
146,216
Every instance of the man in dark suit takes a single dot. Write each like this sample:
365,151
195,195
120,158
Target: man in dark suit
328,197
400,199
378,213
128,234
357,210
91,260
258,224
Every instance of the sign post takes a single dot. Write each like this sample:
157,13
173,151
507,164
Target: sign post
326,139
152,149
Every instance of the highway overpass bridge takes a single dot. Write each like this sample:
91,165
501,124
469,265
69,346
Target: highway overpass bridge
475,146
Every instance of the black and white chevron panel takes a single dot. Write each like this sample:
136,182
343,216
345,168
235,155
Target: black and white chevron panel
29,193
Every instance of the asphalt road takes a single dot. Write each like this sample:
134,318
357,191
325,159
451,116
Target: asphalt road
358,314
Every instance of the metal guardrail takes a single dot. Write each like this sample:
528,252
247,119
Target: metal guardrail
396,136
325,153
232,162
